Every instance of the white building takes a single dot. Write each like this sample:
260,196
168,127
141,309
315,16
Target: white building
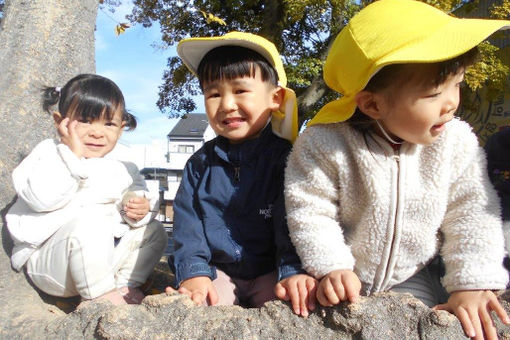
188,135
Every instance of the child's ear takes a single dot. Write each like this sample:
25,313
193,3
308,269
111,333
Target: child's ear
369,103
57,118
278,94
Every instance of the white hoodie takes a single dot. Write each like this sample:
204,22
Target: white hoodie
54,187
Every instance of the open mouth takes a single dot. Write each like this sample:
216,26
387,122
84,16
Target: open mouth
233,121
438,127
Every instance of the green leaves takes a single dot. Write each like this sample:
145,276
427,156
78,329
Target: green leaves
302,30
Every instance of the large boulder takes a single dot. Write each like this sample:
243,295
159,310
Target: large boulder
27,313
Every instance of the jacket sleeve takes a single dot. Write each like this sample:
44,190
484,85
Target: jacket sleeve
287,260
191,255
311,198
473,246
139,188
48,178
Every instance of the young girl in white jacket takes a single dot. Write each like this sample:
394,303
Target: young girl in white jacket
371,201
83,224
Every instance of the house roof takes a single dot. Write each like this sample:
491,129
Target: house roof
190,125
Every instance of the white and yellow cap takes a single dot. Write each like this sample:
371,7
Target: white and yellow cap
192,51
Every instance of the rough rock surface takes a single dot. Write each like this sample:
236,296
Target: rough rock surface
29,314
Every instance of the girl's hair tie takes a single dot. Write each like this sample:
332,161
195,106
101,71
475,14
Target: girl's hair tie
58,89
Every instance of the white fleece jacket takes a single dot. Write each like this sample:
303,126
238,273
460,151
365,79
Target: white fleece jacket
360,205
54,187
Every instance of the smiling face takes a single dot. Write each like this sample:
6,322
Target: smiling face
100,136
239,108
96,137
417,113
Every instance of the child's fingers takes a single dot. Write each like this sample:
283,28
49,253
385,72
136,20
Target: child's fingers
321,297
293,292
488,325
134,216
311,286
184,291
443,306
302,298
477,325
71,131
136,205
352,287
139,201
213,296
170,290
198,297
465,321
331,292
281,292
500,311
339,288
71,127
135,211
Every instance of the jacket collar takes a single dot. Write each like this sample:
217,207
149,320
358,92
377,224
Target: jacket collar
238,154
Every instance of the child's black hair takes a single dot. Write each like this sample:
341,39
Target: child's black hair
230,62
88,97
399,72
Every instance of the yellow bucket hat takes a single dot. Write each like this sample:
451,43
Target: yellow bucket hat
192,51
393,32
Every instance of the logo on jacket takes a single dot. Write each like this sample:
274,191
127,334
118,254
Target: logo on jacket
267,213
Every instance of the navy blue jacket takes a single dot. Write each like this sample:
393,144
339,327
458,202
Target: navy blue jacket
229,211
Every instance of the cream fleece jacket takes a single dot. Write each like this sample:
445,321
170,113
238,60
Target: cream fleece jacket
355,203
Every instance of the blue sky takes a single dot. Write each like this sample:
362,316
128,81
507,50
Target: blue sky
133,62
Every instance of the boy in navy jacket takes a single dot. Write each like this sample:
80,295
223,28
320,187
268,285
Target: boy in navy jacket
230,234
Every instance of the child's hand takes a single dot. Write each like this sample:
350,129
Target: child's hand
69,137
199,289
473,308
338,286
136,208
300,290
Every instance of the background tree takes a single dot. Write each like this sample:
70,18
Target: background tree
302,31
42,42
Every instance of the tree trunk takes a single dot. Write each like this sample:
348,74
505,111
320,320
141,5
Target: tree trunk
42,43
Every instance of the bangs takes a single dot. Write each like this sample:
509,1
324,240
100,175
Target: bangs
231,62
229,71
92,99
93,108
426,75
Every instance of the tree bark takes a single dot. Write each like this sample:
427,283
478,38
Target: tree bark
42,43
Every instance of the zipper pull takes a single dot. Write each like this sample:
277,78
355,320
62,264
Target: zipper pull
237,173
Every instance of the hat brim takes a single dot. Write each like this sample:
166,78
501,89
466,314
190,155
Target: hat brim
192,51
454,39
